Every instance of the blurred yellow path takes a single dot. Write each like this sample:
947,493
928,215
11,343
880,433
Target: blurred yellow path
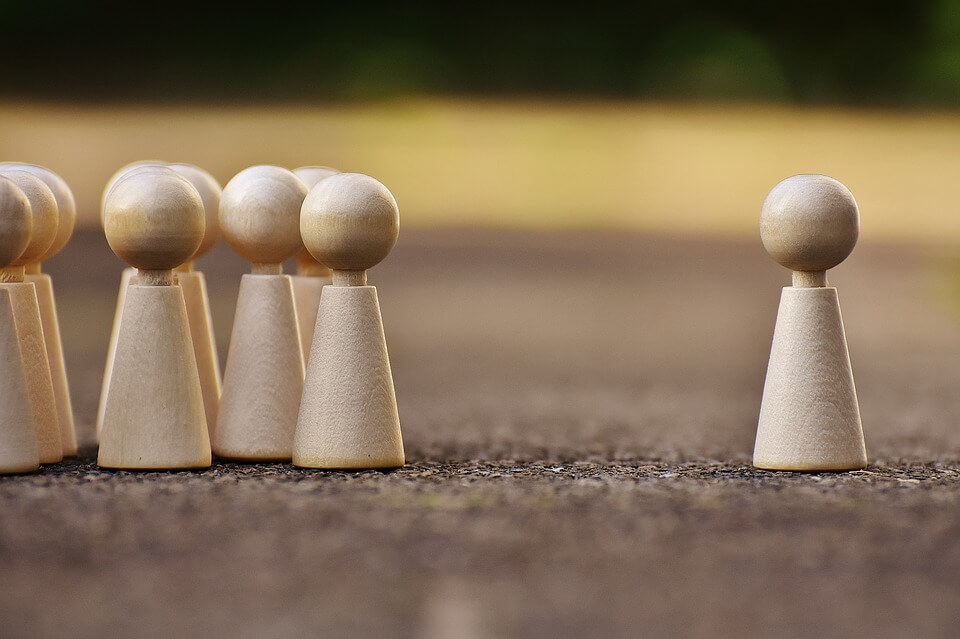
677,169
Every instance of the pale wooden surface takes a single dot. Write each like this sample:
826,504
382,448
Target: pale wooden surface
16,222
26,313
263,380
209,191
43,207
809,415
194,287
66,205
349,222
153,218
58,372
306,297
260,213
126,277
18,439
809,222
154,414
348,416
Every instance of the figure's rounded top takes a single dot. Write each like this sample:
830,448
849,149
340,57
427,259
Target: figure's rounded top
16,222
809,223
350,222
45,217
311,175
122,171
153,218
209,190
66,205
260,213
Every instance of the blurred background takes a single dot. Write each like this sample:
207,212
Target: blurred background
663,116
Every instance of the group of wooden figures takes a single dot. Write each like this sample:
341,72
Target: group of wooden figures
308,377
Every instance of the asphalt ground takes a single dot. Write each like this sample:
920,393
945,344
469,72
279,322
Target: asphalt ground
578,412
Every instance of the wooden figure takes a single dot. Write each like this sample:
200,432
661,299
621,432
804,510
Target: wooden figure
154,415
348,415
126,277
311,275
18,436
67,209
263,381
26,313
809,416
194,287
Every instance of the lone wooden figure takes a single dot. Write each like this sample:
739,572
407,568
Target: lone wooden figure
154,415
348,414
809,416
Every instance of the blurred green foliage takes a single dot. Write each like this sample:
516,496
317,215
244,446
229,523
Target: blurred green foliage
859,52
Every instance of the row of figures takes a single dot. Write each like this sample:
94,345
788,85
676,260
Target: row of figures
308,377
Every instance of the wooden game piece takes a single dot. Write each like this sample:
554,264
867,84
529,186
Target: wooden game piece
18,436
809,416
311,275
262,384
154,415
126,277
194,287
67,210
26,312
348,414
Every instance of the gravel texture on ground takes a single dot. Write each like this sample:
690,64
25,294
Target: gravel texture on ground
578,413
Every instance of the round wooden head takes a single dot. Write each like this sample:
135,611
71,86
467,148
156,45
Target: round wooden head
809,223
46,218
122,171
350,222
66,206
209,190
153,219
260,213
16,222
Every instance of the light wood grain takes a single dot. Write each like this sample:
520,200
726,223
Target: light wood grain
18,438
36,364
263,381
348,415
154,415
306,295
194,286
58,369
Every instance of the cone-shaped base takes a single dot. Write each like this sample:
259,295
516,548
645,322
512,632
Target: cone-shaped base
58,370
306,294
154,419
18,439
263,380
125,278
26,313
204,345
809,417
348,415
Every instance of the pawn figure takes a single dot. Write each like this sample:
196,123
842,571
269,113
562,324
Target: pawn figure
18,437
809,416
348,415
263,381
26,312
154,415
67,210
311,275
